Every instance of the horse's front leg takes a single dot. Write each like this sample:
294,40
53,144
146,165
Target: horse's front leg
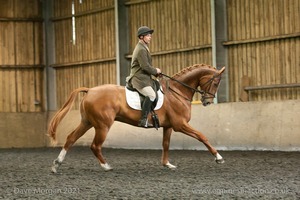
188,130
96,147
166,144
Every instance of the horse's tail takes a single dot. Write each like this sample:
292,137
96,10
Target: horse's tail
61,113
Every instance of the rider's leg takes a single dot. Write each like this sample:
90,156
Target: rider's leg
148,92
150,96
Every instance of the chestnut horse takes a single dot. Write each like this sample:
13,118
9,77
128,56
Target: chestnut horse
104,104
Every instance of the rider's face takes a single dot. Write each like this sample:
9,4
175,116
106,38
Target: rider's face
147,38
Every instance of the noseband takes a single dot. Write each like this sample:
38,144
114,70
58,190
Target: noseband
202,92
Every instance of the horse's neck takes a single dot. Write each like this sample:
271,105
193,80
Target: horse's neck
188,78
192,77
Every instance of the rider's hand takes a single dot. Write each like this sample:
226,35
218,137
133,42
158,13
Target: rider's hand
158,71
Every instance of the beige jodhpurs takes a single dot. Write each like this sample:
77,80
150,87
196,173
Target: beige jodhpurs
148,92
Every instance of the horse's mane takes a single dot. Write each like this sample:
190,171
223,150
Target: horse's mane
190,68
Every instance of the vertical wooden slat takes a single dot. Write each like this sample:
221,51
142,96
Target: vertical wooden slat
296,70
2,89
297,61
229,9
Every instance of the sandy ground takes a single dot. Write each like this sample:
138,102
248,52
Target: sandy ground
137,174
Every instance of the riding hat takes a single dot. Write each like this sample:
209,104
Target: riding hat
144,30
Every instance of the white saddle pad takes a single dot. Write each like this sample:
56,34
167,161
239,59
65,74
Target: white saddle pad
133,99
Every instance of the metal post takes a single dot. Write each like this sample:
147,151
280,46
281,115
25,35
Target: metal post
213,38
49,54
122,41
219,31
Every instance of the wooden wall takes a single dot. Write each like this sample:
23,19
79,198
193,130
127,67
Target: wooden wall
181,27
21,56
182,31
264,44
90,59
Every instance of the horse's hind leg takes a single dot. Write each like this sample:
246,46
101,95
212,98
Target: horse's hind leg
96,147
71,139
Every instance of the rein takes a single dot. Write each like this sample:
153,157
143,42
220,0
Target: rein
202,92
185,85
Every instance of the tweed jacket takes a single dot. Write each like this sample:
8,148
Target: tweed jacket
141,68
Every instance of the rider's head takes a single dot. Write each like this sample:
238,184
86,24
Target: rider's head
144,31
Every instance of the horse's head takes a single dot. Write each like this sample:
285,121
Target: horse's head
209,85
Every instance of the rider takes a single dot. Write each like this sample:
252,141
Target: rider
141,72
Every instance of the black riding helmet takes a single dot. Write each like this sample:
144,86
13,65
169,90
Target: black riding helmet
144,30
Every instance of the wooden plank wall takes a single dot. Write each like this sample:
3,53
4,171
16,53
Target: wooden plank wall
21,56
182,32
263,41
90,59
264,44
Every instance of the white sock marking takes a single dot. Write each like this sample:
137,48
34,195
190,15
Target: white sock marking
170,166
219,157
62,155
106,166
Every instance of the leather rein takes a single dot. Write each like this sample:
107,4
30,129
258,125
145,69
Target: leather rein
202,92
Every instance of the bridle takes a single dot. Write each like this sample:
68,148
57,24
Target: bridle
203,93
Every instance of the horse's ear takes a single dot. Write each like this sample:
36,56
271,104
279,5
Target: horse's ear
222,70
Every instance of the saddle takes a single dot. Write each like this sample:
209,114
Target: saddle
134,99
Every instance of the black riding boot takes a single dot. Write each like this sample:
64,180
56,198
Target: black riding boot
145,111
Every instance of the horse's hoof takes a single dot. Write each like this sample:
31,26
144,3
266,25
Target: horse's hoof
106,167
170,166
54,169
55,166
220,161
